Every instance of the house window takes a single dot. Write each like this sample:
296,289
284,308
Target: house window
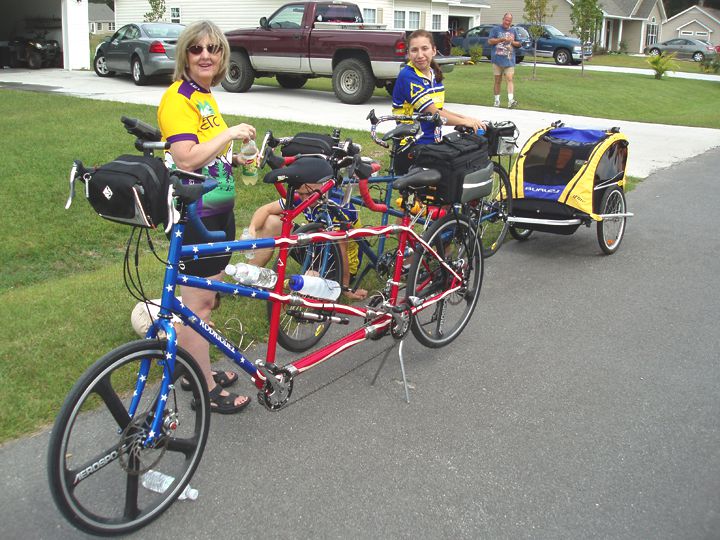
370,15
702,35
175,15
652,33
92,27
99,27
686,33
399,20
111,27
436,22
413,20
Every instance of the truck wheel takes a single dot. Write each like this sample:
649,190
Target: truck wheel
291,81
353,82
240,75
562,57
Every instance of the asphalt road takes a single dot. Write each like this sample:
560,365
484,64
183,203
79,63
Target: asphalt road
581,402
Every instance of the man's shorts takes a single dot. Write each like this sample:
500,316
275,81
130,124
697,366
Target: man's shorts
499,70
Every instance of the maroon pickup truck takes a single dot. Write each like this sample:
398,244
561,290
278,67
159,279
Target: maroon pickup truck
318,39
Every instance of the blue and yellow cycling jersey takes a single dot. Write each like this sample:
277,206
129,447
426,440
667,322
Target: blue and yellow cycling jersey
414,93
188,112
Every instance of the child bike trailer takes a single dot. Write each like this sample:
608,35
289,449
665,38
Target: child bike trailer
565,177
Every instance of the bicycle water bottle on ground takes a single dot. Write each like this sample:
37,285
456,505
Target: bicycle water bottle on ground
160,482
249,274
315,286
248,154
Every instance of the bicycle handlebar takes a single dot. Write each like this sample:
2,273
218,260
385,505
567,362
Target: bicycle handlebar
415,117
365,193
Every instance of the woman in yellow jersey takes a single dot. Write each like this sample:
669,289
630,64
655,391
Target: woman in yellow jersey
419,88
201,141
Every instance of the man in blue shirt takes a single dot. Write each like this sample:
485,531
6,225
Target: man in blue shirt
503,41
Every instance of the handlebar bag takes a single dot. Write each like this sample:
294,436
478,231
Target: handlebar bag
502,138
131,190
457,156
309,143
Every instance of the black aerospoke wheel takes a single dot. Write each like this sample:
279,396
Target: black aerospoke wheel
98,453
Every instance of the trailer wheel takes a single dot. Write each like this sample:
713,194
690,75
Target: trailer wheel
610,231
240,74
353,82
520,234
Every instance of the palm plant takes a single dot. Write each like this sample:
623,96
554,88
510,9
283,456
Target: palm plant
662,63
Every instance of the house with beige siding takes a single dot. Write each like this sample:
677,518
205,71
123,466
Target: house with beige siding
440,15
696,22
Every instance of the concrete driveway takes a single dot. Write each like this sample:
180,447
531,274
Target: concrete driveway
652,146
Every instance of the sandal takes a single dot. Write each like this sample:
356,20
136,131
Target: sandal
221,378
223,404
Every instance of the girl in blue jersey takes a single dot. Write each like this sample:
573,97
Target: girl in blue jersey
201,141
419,88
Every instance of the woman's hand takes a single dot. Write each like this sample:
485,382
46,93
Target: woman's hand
244,132
474,123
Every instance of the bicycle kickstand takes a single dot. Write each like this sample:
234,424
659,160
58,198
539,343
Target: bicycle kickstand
402,367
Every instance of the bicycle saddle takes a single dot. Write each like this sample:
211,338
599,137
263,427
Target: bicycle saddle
307,170
417,177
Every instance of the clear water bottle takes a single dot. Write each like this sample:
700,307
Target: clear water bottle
249,274
250,253
248,155
315,286
160,482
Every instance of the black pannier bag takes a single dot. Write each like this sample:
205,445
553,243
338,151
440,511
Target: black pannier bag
309,143
457,156
131,190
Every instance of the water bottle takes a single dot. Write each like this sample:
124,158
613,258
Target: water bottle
160,482
248,155
315,286
249,274
250,253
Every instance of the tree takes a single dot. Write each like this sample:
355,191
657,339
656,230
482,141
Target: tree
586,17
537,12
157,11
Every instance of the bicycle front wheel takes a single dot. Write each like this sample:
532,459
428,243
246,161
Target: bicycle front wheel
297,331
493,212
454,239
97,454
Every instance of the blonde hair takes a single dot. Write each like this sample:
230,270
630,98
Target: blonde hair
192,34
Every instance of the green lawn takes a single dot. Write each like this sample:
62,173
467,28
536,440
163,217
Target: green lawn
625,60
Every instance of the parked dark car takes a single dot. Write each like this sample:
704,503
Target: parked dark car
552,43
142,50
694,49
477,36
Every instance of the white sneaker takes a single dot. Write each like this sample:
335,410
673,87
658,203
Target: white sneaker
512,104
496,104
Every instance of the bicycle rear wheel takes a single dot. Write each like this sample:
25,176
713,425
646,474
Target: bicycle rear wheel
493,212
455,240
96,455
295,333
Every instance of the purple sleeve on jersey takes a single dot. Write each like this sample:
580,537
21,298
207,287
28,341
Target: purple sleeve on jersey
182,137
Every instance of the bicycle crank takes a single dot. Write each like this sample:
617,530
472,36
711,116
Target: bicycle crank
277,388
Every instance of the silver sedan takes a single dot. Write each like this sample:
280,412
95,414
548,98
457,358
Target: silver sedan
694,49
142,50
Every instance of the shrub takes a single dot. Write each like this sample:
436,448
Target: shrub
457,51
476,54
622,47
662,63
710,65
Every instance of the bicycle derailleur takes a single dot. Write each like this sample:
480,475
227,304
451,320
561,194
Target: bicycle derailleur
278,385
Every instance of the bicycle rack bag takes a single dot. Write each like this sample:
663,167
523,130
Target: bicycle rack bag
457,157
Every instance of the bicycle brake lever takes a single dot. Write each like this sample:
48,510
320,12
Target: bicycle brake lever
73,171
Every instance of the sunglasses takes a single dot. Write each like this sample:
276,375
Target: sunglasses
198,49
